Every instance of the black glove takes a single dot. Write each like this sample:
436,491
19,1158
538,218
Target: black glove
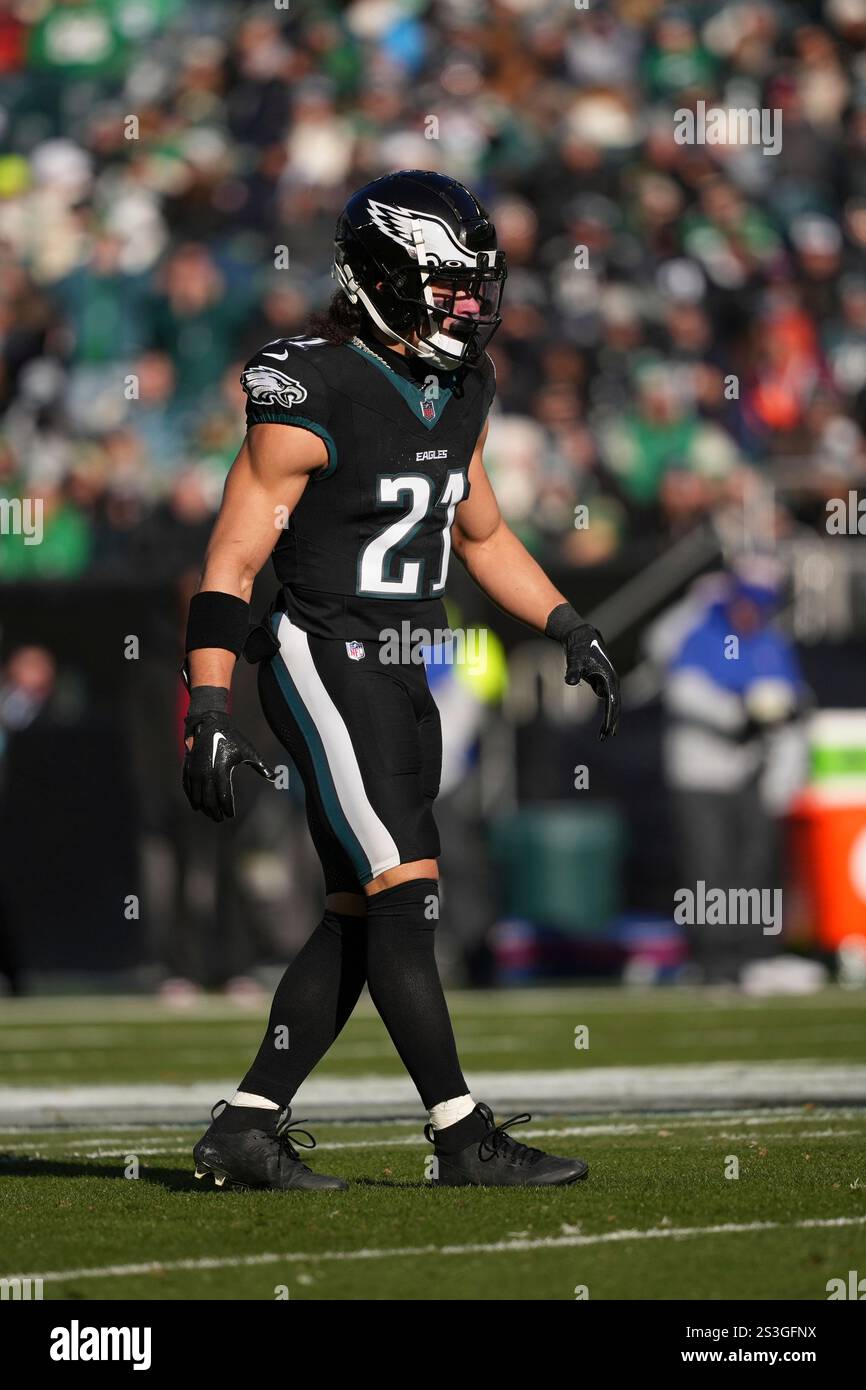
217,749
587,660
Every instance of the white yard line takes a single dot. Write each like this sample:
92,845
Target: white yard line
142,1143
402,1252
680,1119
415,1141
583,1087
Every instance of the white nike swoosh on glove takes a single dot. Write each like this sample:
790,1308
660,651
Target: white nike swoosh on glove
280,356
594,643
216,744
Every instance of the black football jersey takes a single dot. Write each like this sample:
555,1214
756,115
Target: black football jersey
368,545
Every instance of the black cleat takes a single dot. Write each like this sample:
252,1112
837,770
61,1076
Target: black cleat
261,1156
496,1160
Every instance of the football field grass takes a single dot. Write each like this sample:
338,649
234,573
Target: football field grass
727,1201
66,1041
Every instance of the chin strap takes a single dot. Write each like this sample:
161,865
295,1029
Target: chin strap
354,293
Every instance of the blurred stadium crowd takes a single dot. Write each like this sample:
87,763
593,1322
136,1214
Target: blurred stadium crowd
684,341
159,153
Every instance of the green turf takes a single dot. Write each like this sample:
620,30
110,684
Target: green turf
66,1205
51,1042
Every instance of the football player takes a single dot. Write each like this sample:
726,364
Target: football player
363,457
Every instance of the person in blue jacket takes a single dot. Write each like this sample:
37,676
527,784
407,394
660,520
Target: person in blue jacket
734,756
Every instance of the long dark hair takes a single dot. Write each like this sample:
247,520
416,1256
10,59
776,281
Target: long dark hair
341,320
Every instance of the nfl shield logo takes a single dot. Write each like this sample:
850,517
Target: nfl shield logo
355,651
428,410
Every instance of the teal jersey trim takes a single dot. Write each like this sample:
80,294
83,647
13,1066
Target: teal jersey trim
282,417
412,395
324,781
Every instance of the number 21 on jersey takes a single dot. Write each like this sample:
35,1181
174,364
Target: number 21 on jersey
396,490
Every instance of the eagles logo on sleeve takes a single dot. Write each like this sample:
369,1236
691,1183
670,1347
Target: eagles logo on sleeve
267,386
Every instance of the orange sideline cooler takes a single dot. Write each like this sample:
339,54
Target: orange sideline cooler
829,831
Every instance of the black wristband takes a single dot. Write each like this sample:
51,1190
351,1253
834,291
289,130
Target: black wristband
206,699
563,620
217,620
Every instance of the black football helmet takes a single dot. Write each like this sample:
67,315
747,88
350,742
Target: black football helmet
418,251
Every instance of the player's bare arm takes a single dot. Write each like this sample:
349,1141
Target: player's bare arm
264,485
501,565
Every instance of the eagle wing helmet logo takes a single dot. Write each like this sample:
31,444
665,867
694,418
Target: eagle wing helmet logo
267,386
439,246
